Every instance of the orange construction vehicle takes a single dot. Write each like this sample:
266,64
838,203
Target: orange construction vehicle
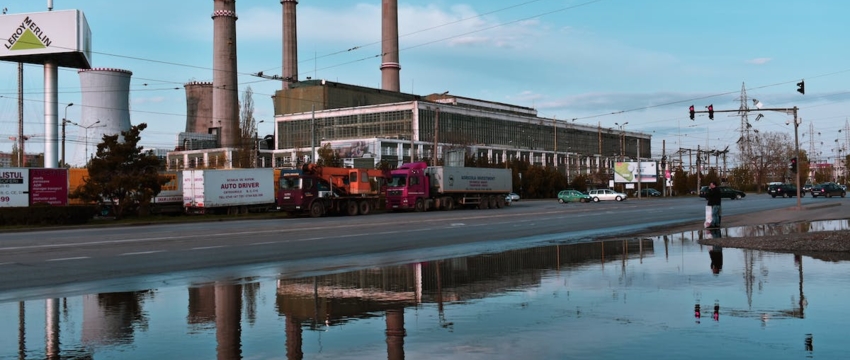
318,190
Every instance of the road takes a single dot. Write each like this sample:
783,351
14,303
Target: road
47,263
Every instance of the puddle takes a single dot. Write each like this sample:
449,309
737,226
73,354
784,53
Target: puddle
666,297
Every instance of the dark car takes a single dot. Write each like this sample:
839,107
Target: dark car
650,192
828,190
783,190
725,192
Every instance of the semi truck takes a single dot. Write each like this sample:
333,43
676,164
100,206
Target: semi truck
233,191
319,191
419,187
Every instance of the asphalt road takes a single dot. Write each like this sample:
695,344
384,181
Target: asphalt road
75,260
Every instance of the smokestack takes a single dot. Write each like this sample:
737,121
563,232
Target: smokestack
290,43
389,46
225,112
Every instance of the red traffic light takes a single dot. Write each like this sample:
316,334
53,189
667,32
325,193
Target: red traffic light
711,112
691,111
801,87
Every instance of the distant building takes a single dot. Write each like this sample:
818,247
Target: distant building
30,160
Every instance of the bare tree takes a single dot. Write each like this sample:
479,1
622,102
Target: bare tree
769,154
247,125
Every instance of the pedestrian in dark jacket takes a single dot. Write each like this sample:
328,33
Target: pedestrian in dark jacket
712,208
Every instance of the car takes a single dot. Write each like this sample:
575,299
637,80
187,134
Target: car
650,193
606,194
725,192
806,188
512,197
828,189
568,196
783,190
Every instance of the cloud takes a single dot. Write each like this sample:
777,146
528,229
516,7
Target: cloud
759,61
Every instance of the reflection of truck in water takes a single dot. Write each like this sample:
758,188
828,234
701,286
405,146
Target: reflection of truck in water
419,187
234,191
318,190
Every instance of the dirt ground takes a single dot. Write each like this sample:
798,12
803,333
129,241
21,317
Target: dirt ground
826,245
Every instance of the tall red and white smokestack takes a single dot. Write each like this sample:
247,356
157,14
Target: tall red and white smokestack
389,46
290,43
225,89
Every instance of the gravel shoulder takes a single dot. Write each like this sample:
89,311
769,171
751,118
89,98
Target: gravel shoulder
825,245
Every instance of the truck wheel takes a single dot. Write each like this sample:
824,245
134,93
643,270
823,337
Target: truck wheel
448,203
351,208
500,201
492,200
483,204
419,206
317,209
365,207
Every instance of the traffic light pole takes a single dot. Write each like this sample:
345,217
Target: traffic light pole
789,111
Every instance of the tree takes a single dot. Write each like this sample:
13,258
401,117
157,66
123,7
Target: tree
247,125
121,175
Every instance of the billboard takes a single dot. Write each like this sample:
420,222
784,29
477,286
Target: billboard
48,186
633,171
60,36
14,187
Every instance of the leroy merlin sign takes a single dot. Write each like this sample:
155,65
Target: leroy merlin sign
27,36
35,37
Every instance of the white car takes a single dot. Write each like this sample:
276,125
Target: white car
606,194
512,197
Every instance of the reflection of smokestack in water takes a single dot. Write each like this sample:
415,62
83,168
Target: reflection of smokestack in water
290,43
105,98
389,46
225,112
199,105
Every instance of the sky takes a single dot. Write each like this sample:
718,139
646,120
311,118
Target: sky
592,62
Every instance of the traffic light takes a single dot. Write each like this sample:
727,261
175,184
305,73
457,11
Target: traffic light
711,112
691,110
793,165
801,87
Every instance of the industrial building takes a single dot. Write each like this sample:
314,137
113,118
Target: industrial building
362,123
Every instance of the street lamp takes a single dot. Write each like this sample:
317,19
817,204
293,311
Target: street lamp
87,133
64,121
622,139
257,142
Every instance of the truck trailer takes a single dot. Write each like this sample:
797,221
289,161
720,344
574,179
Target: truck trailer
234,191
318,190
419,187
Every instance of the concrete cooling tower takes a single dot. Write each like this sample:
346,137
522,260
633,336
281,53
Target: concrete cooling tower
105,108
199,105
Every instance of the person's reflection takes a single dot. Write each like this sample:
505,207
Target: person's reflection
716,314
716,255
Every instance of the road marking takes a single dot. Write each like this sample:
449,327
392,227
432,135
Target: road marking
208,247
142,252
70,258
264,243
1,264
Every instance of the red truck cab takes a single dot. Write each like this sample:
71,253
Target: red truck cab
408,187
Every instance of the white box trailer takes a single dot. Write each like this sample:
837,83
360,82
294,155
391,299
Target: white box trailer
452,179
234,191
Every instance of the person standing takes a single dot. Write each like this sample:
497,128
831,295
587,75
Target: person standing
712,209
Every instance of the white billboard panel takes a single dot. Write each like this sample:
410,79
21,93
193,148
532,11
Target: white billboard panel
61,36
632,172
14,187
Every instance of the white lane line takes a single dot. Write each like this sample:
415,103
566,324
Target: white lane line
264,243
70,258
208,247
142,252
1,264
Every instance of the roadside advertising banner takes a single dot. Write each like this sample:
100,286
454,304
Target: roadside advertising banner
14,187
48,186
632,172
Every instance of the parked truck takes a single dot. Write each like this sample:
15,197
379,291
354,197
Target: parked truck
318,190
234,191
419,187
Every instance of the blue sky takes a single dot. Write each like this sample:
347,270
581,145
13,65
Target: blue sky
595,61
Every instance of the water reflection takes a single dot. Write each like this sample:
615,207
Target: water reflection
559,301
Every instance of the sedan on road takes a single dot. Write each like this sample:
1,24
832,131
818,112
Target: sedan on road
568,196
606,194
725,192
828,190
650,193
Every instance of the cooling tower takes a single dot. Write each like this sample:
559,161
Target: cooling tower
225,112
105,108
199,106
290,43
390,67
